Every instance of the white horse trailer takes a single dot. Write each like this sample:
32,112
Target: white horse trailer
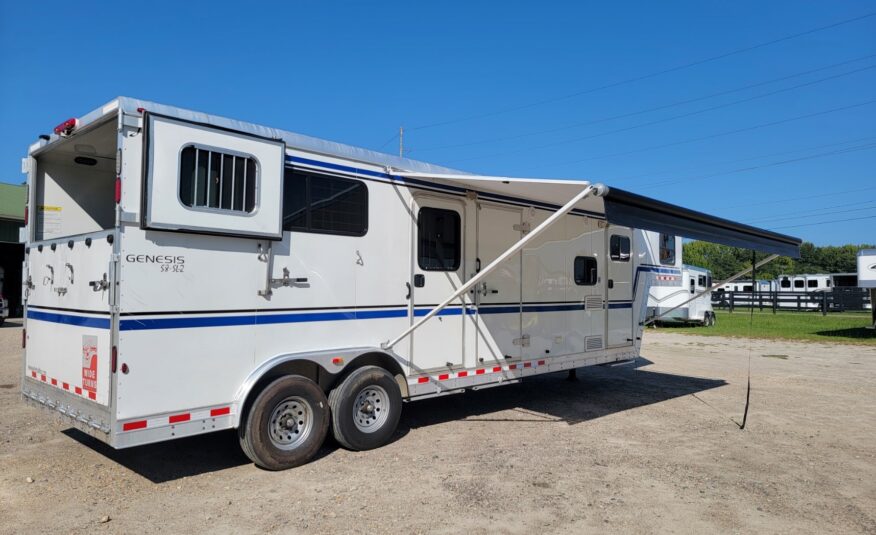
669,297
867,276
188,273
805,282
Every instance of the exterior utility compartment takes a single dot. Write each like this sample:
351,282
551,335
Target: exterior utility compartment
189,273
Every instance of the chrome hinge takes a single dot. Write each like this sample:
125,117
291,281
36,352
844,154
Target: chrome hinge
523,227
522,341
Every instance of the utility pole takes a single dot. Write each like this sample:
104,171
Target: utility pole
401,141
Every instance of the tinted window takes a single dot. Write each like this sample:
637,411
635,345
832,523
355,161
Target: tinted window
701,280
619,248
213,179
786,283
324,204
798,284
812,283
693,285
438,239
585,271
667,249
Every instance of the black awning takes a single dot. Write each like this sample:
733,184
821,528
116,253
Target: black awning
631,210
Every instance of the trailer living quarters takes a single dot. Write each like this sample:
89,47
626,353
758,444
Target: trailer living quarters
187,273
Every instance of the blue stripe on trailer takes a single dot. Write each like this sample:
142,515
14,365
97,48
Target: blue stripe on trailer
68,319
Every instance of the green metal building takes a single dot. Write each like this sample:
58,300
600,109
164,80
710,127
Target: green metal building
12,200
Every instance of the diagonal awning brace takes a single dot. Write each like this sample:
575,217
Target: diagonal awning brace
595,189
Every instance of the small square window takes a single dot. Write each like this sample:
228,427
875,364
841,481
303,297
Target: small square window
585,271
619,248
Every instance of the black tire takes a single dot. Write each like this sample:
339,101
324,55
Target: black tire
355,427
272,436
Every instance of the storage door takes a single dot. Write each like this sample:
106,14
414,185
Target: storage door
498,296
620,287
203,179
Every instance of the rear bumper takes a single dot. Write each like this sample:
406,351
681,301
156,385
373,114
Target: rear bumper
83,414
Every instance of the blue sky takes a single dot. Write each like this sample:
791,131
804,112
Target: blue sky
780,135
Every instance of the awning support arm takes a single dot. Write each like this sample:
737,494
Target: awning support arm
597,189
766,260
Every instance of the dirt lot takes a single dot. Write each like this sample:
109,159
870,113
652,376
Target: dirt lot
642,449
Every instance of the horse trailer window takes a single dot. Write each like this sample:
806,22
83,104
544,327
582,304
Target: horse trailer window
324,204
798,283
619,247
701,280
813,283
438,240
217,180
585,271
786,283
667,249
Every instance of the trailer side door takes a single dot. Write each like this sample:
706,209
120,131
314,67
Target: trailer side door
619,287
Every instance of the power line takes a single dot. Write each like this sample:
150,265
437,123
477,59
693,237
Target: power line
819,214
825,222
738,160
712,136
672,118
755,167
645,76
647,110
804,198
812,211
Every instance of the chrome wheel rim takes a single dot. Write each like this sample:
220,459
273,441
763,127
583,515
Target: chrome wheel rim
371,409
291,423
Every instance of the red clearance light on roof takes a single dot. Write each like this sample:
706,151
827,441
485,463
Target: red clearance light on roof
66,127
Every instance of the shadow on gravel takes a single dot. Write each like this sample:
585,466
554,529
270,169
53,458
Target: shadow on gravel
175,459
598,391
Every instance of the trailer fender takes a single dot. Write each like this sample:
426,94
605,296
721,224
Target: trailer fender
323,367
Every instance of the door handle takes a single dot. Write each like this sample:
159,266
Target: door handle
409,290
610,283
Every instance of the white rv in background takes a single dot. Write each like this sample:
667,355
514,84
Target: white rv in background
804,282
867,276
667,295
187,273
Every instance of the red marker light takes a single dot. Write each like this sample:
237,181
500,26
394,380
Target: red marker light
118,193
115,358
66,127
337,361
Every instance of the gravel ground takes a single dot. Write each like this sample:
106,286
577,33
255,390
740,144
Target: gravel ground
651,448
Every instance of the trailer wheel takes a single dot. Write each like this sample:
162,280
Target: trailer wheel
286,425
366,408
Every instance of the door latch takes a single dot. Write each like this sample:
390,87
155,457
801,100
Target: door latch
99,285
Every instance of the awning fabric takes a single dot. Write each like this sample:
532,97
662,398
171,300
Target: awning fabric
632,210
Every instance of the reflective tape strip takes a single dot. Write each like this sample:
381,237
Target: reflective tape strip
176,418
61,384
476,371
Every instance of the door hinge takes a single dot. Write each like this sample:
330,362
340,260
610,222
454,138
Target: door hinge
523,227
523,341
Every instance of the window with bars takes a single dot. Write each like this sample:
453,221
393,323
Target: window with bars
324,204
217,180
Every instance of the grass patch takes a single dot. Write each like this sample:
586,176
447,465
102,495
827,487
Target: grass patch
845,328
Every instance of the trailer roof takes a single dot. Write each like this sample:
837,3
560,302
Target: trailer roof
618,206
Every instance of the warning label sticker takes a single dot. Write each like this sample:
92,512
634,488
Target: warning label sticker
89,363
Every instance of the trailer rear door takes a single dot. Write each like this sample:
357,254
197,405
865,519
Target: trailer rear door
69,339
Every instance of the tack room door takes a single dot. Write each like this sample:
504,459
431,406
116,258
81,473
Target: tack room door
619,287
